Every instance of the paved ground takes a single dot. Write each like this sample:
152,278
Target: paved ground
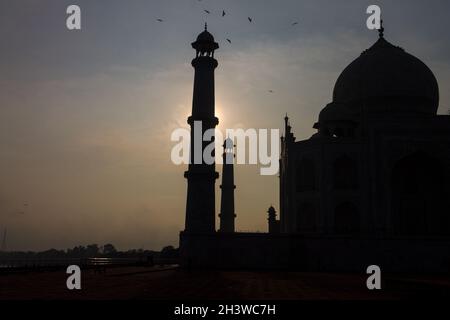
175,284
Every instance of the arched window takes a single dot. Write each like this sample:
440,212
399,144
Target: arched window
346,219
306,175
345,173
419,204
306,217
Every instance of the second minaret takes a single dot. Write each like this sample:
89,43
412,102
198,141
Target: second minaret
227,214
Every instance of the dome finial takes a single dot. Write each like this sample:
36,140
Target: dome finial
381,30
206,26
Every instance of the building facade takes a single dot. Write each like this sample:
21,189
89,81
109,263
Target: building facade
379,163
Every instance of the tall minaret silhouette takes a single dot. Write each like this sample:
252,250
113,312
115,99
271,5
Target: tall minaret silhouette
227,214
201,176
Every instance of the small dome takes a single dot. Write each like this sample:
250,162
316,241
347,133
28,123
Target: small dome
205,43
338,112
228,143
384,79
205,36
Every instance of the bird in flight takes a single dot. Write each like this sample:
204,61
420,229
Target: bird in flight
271,91
160,20
295,23
250,19
207,11
229,40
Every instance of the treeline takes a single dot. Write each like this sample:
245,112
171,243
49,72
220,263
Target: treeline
91,251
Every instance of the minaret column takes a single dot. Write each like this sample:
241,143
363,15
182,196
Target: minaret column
201,176
227,214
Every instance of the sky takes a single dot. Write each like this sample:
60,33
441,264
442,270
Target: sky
86,116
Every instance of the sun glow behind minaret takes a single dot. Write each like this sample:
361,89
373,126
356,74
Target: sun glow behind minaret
221,115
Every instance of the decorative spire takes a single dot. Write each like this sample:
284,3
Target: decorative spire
206,26
381,30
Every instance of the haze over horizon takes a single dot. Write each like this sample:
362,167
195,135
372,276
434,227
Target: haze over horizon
86,116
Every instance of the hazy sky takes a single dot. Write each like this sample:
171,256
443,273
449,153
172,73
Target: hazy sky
86,116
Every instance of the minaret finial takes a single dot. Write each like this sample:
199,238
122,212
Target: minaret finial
381,30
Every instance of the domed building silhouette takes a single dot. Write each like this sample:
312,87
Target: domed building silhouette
370,187
379,162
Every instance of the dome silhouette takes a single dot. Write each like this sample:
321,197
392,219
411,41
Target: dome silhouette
384,80
205,36
205,43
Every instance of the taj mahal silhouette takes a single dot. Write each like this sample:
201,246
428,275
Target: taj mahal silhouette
371,186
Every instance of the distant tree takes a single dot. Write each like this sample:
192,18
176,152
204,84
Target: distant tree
109,249
51,254
89,251
92,250
169,252
77,252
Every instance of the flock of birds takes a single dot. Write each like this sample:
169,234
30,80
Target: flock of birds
224,13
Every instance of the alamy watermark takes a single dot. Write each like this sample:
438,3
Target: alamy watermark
374,281
252,146
73,21
374,20
73,282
